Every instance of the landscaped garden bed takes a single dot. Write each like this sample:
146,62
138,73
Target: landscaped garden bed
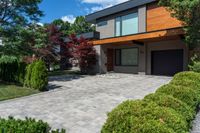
19,79
170,110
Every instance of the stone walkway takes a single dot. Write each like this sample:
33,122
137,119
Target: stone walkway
196,124
80,103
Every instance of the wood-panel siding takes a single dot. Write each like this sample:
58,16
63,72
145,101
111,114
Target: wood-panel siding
141,37
159,18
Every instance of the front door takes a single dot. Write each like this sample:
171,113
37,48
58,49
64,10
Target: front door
110,60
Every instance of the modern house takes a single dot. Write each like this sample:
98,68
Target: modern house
139,36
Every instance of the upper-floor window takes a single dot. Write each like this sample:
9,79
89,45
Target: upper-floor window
126,25
103,23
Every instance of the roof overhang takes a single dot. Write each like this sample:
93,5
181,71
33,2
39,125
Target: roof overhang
117,8
142,37
89,36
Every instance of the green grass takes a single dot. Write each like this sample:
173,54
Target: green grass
64,72
14,91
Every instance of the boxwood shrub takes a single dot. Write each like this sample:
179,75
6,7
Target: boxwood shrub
28,125
184,93
172,102
170,110
131,115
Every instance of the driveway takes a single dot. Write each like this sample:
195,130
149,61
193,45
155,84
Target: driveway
80,103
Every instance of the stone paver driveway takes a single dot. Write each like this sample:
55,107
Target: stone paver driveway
80,104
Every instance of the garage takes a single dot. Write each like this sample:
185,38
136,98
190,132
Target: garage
166,62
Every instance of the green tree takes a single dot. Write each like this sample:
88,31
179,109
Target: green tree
63,26
19,12
81,26
187,11
17,18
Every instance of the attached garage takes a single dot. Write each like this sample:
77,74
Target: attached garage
167,62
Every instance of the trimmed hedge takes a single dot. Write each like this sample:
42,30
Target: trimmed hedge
12,70
171,102
170,110
186,94
8,67
28,125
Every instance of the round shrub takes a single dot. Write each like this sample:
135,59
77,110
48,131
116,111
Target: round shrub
28,125
153,126
187,83
169,101
130,115
39,76
188,75
185,94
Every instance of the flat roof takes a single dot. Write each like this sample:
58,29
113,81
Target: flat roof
115,9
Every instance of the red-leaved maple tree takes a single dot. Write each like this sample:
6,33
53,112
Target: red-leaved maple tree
84,54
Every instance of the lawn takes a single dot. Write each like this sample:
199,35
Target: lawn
64,72
14,91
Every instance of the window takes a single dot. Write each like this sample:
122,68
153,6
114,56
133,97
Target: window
103,23
126,57
118,26
126,25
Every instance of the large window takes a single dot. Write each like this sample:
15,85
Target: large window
126,25
126,57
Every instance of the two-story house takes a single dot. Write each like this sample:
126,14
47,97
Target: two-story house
139,36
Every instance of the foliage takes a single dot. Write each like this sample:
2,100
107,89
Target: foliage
28,125
170,110
130,116
81,26
171,102
64,27
39,76
14,12
18,41
186,11
21,72
195,64
16,17
187,79
8,67
12,70
28,76
186,94
84,53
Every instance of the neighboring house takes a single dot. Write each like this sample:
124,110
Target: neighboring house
138,36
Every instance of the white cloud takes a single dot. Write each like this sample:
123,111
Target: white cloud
41,24
69,18
102,4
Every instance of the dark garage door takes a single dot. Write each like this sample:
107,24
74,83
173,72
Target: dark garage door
167,62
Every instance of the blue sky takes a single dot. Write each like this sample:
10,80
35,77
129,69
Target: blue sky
69,9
